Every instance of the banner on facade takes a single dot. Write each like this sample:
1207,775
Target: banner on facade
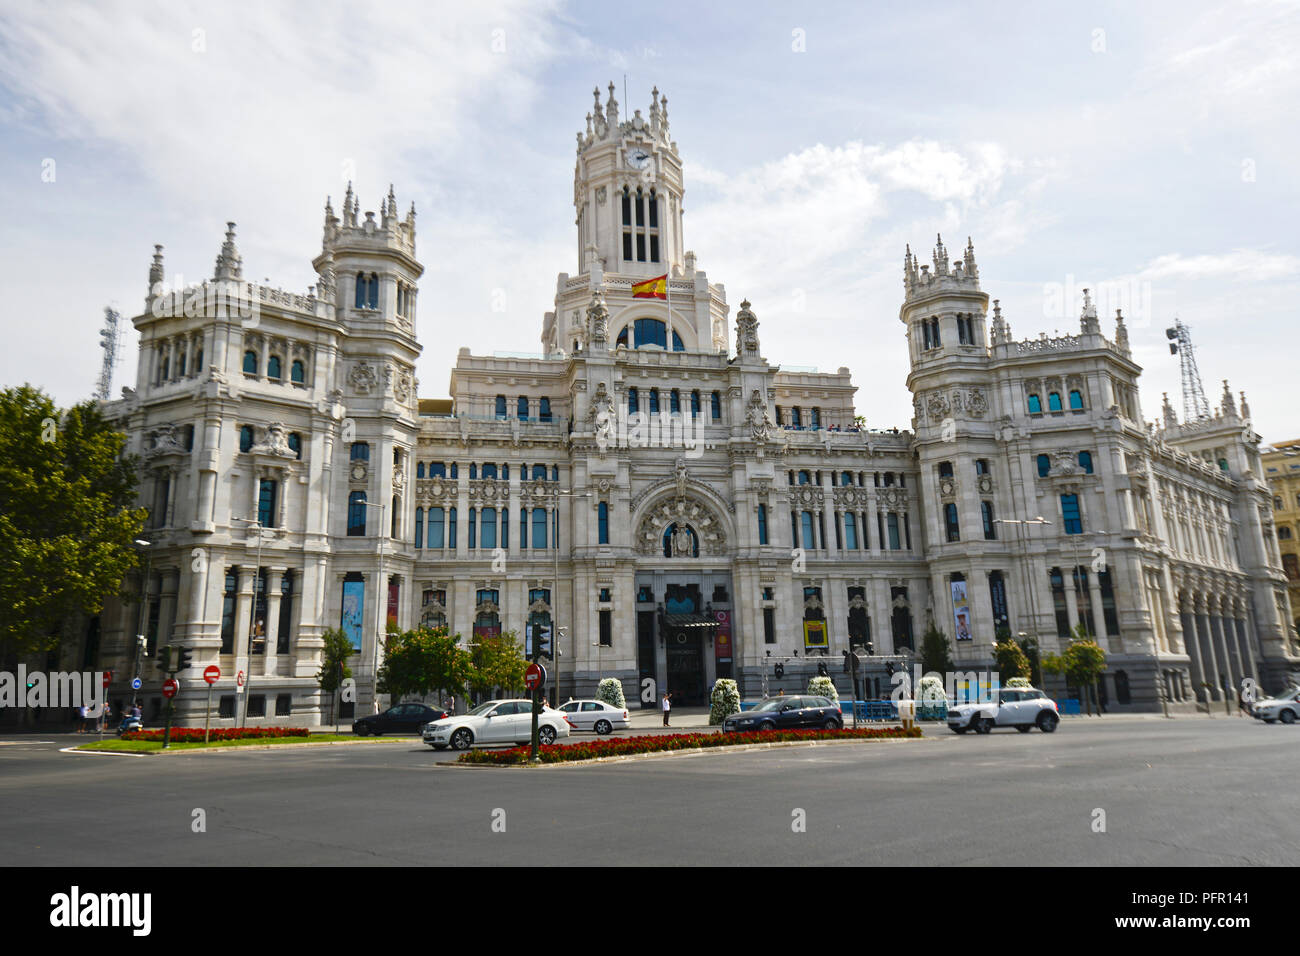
394,598
814,634
722,638
354,606
961,610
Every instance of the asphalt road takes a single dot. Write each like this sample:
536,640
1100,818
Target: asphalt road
1190,792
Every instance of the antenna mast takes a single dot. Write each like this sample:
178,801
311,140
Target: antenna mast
110,340
1195,405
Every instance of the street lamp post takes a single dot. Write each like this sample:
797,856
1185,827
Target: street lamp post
139,634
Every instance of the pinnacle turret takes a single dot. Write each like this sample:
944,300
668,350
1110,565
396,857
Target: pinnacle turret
229,263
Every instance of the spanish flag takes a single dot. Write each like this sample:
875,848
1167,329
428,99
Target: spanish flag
656,288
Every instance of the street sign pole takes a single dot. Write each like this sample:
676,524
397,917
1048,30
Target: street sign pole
535,679
211,674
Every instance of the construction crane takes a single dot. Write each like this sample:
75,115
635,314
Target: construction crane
110,340
1195,405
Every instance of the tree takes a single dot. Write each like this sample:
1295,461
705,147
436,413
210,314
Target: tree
1030,646
497,662
66,517
1081,663
1011,660
334,668
423,661
935,652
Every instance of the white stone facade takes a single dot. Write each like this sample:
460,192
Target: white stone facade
691,480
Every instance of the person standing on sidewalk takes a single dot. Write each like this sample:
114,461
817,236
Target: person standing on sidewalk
667,707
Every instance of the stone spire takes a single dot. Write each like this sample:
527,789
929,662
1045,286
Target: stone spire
1245,408
940,257
972,271
611,108
390,208
156,272
349,210
1171,416
1229,406
1121,333
229,263
1088,324
331,229
1001,331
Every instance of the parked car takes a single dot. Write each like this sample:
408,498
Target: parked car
399,719
595,715
1023,708
496,722
1284,707
787,713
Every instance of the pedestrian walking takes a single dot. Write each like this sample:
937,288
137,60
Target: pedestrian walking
81,719
667,707
105,719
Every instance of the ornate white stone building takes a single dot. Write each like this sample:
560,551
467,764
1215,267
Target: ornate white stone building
685,509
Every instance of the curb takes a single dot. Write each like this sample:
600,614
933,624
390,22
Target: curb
214,750
692,752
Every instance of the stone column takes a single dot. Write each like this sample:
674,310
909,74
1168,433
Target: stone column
274,579
1209,662
167,583
1071,600
244,610
1099,619
1191,647
1248,664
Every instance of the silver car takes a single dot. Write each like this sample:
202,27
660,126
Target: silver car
595,715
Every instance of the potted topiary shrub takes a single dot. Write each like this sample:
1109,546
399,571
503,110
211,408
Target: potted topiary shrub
823,687
610,690
931,699
724,701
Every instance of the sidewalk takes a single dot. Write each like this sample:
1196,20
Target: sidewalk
679,718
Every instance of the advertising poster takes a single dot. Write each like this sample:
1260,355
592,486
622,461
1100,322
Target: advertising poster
814,634
961,611
722,639
394,597
354,605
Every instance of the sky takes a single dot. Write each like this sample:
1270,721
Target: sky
1145,151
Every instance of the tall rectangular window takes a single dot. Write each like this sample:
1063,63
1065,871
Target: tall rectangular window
602,522
435,538
544,409
894,543
716,402
266,503
228,612
357,514
419,528
606,628
986,513
283,631
523,528
806,526
769,625
850,531
488,535
950,522
473,527
1070,514
762,524
539,529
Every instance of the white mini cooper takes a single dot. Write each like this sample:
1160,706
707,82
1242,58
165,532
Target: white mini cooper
1023,708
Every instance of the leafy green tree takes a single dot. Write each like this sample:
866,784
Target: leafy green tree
66,517
1030,646
497,662
1081,664
424,661
334,669
936,652
1011,661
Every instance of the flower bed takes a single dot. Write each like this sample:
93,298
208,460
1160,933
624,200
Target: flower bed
625,746
194,735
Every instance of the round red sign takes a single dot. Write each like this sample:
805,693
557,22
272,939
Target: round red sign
108,678
533,676
212,673
169,688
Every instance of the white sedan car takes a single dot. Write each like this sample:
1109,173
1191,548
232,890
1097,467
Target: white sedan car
595,715
1284,707
495,722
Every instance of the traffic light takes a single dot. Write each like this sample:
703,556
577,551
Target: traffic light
871,649
187,659
165,659
889,668
542,641
779,670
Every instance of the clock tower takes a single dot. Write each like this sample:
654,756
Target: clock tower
627,192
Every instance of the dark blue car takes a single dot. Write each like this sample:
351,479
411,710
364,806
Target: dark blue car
788,713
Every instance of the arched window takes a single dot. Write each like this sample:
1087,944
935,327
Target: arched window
521,408
372,292
295,445
716,401
622,338
1044,466
357,514
678,345
633,404
501,406
1076,400
360,302
297,372
651,332
1085,461
681,541
250,362
273,367
1054,401
245,437
1035,405
602,523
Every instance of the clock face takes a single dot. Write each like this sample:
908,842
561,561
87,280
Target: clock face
639,158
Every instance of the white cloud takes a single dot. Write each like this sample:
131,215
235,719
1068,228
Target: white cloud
1243,264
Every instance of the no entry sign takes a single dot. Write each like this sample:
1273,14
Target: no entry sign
169,688
108,678
535,676
212,673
